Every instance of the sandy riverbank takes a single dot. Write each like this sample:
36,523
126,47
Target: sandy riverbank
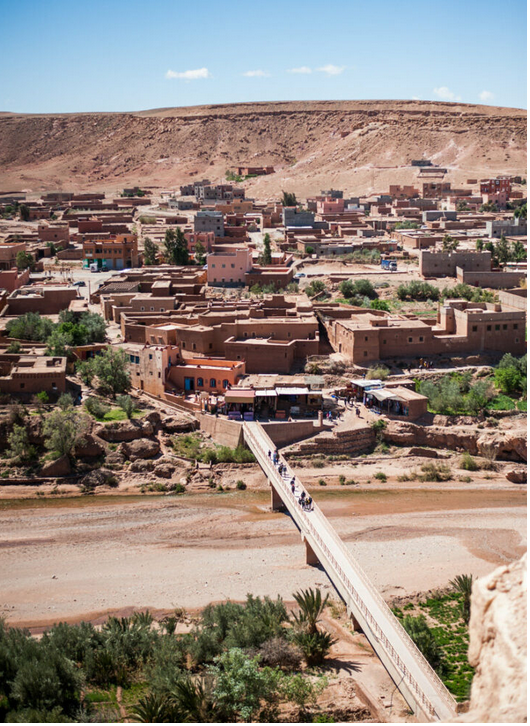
75,558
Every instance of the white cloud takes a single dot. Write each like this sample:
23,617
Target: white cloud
256,74
446,94
189,75
332,70
302,69
486,96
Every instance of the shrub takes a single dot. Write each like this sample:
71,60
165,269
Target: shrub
240,484
435,472
342,480
126,404
96,407
377,372
468,463
279,653
179,488
381,476
322,483
314,646
424,639
416,290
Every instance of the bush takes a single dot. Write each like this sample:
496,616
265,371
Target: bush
96,407
322,483
381,476
279,653
379,372
342,480
468,463
424,639
435,472
314,646
126,404
241,485
416,290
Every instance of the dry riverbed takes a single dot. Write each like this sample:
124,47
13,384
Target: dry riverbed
82,557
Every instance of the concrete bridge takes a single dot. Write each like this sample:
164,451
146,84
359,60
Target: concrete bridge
422,689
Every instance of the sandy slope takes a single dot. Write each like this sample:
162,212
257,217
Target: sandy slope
360,146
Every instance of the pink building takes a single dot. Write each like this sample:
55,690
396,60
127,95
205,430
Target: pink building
229,268
329,205
207,240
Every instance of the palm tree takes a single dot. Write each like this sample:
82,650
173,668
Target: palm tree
152,709
464,585
194,701
311,607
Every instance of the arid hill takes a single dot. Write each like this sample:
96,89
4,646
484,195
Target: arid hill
359,146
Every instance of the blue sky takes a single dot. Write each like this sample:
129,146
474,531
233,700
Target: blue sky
126,55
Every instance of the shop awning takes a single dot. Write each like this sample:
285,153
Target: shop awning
363,383
382,394
266,393
292,391
239,396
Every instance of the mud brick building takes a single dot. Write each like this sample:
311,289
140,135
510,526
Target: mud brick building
26,375
445,264
461,327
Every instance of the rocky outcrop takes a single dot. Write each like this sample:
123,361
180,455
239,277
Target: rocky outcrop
497,646
352,442
165,468
517,476
124,430
141,466
508,445
91,446
176,425
140,449
59,467
98,478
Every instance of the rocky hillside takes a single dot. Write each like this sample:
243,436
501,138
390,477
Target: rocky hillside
498,646
360,146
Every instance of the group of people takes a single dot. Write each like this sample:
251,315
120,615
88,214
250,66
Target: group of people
425,363
306,502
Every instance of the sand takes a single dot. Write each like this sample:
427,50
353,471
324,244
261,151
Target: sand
83,557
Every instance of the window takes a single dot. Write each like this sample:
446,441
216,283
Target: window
421,338
210,346
474,328
384,342
212,382
505,326
150,356
410,340
226,383
22,385
366,339
131,358
232,265
138,360
200,382
497,327
194,346
515,326
488,327
517,340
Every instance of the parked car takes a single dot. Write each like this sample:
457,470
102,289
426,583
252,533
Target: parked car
79,283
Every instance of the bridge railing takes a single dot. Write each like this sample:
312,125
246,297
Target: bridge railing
346,581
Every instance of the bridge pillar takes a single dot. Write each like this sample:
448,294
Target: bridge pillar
310,556
277,504
355,623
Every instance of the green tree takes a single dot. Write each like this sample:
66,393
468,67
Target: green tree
19,447
424,639
508,380
153,708
24,212
150,252
407,225
289,199
200,253
266,256
502,250
520,212
518,251
62,430
14,347
347,288
380,305
464,585
243,691
110,367
30,326
449,244
24,260
59,342
479,245
312,605
126,404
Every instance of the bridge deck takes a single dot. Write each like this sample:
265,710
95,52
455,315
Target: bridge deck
419,684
